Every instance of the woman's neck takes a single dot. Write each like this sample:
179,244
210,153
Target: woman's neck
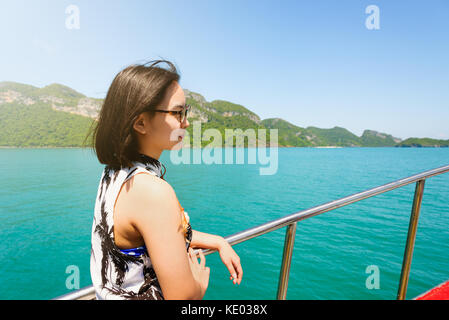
151,153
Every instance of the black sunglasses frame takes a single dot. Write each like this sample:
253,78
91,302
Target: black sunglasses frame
182,113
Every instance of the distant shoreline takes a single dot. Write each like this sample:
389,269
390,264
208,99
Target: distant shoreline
333,147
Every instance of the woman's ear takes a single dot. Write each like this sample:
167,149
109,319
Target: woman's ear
140,124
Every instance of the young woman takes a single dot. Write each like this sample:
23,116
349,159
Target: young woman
141,236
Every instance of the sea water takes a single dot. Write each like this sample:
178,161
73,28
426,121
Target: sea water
47,198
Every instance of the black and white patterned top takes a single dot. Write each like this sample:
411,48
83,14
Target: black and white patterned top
116,274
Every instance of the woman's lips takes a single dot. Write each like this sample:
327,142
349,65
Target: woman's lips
180,133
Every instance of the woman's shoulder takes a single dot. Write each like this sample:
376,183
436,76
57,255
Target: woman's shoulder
151,200
147,189
146,181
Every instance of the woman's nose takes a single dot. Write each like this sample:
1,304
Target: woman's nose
185,124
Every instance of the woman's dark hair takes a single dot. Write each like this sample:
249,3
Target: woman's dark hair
134,90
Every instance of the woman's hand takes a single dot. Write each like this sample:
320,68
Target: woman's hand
231,261
200,272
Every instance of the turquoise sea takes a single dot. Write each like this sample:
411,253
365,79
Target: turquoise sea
47,200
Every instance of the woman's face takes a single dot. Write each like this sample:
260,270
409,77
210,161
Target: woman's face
163,131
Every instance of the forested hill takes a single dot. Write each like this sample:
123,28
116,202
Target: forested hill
51,116
58,116
424,142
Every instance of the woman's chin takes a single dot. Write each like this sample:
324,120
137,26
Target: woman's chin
178,145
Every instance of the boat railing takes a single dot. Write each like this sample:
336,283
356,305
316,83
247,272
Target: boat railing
290,221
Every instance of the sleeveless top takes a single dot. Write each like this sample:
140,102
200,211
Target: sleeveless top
117,273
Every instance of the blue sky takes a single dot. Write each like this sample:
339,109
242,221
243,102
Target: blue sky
312,63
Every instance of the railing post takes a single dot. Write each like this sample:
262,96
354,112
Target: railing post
289,243
406,263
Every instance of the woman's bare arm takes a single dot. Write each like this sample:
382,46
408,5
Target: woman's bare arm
155,213
206,240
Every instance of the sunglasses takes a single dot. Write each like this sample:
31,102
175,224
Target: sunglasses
181,114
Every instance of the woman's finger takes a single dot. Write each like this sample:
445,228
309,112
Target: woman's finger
232,271
189,255
202,258
192,256
238,266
